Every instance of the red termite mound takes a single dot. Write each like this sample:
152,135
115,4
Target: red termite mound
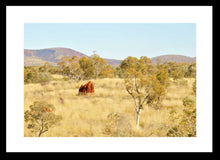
86,88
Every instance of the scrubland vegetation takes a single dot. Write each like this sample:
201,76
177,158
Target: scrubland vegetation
164,93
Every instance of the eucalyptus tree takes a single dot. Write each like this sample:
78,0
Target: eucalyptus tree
141,85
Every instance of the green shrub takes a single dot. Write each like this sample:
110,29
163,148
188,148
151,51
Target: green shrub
66,78
41,117
34,75
194,87
185,124
117,125
44,77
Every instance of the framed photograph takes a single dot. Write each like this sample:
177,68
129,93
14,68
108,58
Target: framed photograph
109,78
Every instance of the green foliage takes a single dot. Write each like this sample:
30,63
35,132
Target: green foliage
33,74
99,64
66,78
117,125
189,117
55,70
175,70
187,101
163,77
45,67
150,67
192,70
97,67
185,124
133,67
44,77
142,83
194,87
87,67
41,117
106,72
118,72
146,60
178,70
71,67
157,93
130,66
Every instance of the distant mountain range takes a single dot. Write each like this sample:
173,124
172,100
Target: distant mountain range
53,55
173,58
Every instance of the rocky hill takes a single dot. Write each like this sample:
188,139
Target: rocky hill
173,58
53,55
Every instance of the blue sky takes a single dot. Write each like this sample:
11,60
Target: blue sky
114,40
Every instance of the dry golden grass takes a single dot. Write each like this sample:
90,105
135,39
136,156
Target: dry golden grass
87,116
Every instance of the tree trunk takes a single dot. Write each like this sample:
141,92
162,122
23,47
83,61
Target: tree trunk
138,117
40,133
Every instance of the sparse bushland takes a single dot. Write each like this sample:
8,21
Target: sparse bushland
164,93
89,116
184,124
95,67
36,75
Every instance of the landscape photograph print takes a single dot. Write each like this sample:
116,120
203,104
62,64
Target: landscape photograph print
110,80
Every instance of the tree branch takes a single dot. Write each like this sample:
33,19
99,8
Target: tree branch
42,128
145,99
135,83
37,122
133,98
44,131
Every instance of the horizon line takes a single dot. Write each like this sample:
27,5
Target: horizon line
111,58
